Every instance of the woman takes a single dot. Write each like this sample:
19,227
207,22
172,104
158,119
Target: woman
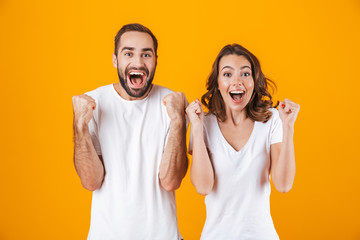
237,145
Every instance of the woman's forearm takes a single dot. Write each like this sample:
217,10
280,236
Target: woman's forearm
201,173
283,168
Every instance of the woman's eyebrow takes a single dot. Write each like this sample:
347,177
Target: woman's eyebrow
227,67
233,68
245,67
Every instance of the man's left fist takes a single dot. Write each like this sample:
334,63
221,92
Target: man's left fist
175,104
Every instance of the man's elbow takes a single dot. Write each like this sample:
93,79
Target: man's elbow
91,185
171,185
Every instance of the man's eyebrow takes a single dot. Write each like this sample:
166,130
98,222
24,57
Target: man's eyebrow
147,49
127,48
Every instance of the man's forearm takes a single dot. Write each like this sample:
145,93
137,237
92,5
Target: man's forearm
174,161
88,165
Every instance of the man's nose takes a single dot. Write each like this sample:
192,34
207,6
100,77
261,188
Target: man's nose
137,61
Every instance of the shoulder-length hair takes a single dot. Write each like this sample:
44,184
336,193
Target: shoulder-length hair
261,100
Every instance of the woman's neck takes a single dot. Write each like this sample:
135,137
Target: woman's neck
235,117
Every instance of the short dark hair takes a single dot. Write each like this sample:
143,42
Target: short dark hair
136,27
261,100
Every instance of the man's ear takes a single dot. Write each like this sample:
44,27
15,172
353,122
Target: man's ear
114,60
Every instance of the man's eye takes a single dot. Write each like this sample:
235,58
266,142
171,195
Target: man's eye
128,54
227,74
146,55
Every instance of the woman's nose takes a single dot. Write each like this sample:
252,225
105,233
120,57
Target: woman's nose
236,80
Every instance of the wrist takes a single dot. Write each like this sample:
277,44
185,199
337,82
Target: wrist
288,129
197,127
80,126
178,119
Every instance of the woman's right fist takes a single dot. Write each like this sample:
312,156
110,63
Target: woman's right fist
83,106
195,113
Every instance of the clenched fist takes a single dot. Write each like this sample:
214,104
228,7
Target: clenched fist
288,111
83,106
195,113
175,104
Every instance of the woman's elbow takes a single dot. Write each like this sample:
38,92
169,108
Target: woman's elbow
203,191
283,188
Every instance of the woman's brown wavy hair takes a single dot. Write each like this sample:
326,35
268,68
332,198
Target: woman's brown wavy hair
261,100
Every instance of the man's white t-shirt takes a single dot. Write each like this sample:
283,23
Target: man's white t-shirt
131,137
238,207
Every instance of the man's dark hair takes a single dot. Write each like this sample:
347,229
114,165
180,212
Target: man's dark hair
134,27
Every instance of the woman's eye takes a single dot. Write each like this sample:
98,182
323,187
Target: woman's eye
246,74
227,74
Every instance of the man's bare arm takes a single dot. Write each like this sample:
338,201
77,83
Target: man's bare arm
174,162
89,166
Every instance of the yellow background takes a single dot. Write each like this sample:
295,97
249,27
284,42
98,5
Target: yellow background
52,50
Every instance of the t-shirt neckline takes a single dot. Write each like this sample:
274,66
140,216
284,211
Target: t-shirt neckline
228,146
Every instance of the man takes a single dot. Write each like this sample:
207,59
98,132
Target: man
130,145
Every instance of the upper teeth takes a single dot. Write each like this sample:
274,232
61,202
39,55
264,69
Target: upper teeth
136,73
237,92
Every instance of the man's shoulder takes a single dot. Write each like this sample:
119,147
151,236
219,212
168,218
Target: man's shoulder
100,91
161,90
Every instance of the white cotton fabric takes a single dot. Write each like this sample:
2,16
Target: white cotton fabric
238,208
131,137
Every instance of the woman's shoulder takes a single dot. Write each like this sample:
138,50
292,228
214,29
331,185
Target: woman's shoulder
209,117
210,120
275,118
274,111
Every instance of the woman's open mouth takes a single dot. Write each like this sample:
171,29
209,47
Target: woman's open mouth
237,96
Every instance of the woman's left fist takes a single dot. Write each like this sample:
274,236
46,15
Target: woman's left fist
288,111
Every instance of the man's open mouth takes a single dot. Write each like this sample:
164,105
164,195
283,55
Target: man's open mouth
136,78
237,95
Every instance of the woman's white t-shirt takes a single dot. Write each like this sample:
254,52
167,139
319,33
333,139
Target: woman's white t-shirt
238,207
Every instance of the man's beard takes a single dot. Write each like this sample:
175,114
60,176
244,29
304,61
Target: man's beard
137,93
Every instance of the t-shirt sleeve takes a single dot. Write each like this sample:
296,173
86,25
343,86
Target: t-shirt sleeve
94,135
276,130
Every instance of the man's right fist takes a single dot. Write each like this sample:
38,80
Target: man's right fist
83,106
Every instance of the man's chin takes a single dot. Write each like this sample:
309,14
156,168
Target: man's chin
138,92
135,91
